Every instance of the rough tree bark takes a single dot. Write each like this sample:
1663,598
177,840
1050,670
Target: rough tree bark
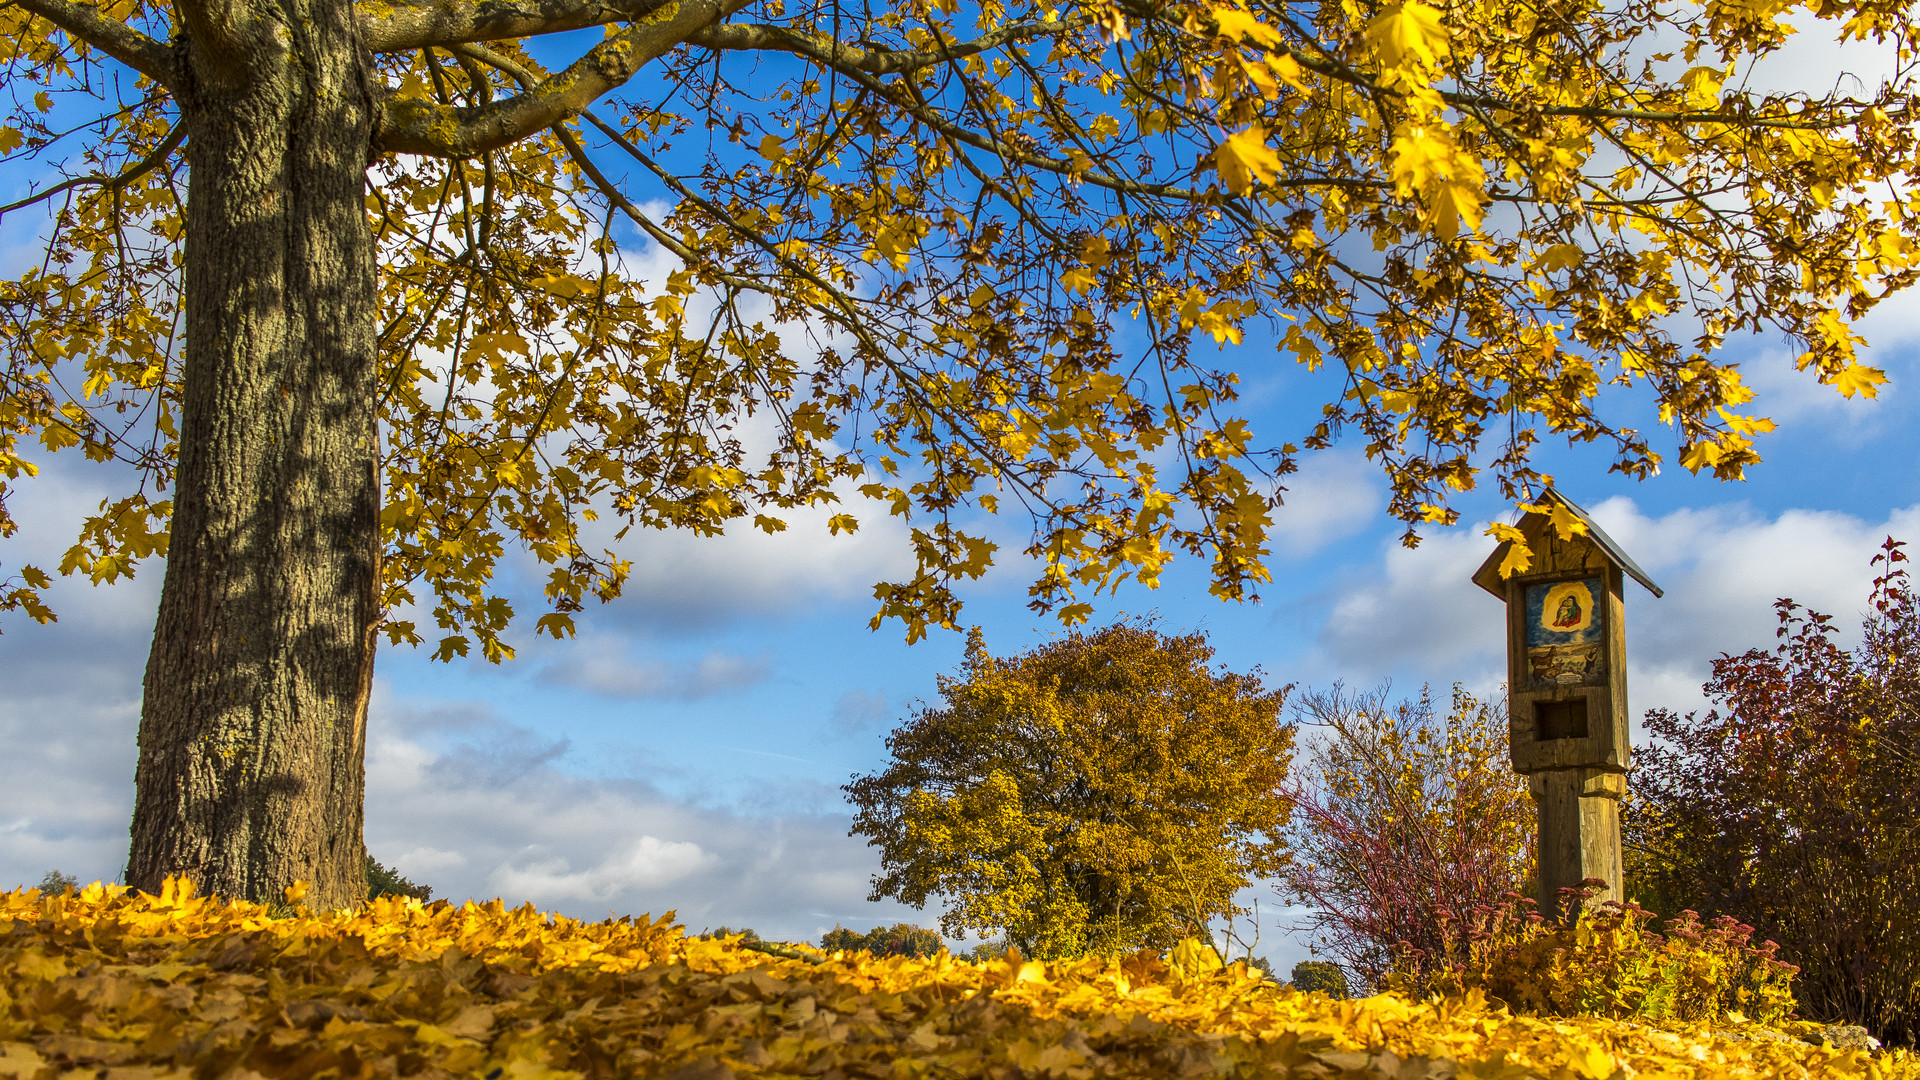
252,732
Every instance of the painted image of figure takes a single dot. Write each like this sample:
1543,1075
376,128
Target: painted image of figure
1568,613
1564,612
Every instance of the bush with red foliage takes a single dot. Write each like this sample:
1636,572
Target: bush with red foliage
1405,821
1792,805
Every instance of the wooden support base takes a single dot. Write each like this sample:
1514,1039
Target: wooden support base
1579,832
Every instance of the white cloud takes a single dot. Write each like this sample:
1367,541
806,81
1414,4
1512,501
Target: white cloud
493,814
1795,399
68,716
69,692
1334,495
1422,615
646,862
425,860
604,665
681,579
859,710
1721,568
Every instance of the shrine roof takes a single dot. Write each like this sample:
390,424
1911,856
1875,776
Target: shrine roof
1488,576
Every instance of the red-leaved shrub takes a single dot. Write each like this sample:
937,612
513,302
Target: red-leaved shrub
1404,820
1792,805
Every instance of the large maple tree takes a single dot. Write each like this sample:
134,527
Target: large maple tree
351,286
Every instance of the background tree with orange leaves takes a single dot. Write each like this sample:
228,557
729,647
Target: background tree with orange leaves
348,284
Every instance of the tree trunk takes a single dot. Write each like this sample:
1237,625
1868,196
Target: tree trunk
252,731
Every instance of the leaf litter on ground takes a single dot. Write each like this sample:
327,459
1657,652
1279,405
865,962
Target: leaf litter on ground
121,985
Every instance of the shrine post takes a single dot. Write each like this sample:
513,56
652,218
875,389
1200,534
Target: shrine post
1567,691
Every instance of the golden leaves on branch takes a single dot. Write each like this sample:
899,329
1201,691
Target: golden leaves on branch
982,260
1106,791
179,985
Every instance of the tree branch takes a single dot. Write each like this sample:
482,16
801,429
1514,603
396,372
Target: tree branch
425,127
413,24
122,179
759,37
470,52
110,36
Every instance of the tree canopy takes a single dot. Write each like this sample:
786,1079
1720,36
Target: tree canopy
947,255
365,295
1103,792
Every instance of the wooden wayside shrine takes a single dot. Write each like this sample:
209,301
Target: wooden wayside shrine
1567,690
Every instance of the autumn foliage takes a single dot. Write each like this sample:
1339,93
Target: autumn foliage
936,256
900,939
588,269
1405,823
1791,804
176,985
1100,793
1607,962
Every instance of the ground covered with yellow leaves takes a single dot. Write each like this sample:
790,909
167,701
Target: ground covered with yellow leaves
126,986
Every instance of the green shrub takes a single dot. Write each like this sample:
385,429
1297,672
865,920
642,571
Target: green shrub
1607,964
57,883
386,881
1324,976
900,939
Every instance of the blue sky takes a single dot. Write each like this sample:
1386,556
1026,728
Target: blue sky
686,750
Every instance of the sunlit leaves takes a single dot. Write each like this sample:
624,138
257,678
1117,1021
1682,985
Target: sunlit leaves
1103,792
983,258
1245,159
104,979
1859,379
1408,37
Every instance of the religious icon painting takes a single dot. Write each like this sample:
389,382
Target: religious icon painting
1564,644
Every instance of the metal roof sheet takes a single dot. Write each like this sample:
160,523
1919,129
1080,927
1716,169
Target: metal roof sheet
1594,532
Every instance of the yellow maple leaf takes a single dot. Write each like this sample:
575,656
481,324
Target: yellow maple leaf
1245,159
39,967
1700,455
1519,555
1858,378
1745,425
1566,523
1593,1062
1238,24
1518,558
20,1060
1194,957
1702,85
1561,257
1452,204
1408,35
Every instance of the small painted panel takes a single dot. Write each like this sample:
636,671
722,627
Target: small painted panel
1565,643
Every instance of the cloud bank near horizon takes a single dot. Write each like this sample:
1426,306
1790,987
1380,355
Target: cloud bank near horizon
479,803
